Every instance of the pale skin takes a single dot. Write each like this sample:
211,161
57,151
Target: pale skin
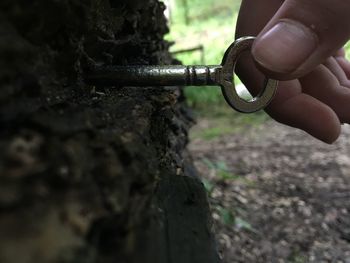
300,42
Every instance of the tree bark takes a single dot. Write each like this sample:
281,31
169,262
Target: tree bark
93,174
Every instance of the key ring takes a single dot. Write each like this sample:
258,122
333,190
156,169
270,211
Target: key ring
227,80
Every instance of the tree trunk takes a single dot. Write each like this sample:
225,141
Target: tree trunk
91,174
186,15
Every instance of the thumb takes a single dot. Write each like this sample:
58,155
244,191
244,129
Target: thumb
300,36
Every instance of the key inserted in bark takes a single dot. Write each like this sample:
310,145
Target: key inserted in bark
178,75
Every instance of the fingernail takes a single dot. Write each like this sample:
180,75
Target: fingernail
284,47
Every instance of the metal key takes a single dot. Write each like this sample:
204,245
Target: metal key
178,75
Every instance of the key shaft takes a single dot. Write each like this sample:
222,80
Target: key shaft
170,75
223,76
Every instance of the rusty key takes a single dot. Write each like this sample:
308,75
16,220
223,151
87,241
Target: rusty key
178,75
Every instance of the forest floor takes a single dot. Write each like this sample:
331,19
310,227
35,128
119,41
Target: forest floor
276,194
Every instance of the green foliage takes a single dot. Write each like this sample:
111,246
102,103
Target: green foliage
209,187
227,216
214,132
202,9
297,257
223,120
347,48
221,170
242,224
199,97
211,24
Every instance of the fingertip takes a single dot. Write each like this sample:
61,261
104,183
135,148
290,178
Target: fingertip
284,48
345,65
332,134
331,139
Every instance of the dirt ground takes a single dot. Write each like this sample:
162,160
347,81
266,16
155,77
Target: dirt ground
277,195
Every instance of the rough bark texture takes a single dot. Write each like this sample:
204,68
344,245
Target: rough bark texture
91,174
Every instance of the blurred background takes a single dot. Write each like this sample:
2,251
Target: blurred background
276,194
201,32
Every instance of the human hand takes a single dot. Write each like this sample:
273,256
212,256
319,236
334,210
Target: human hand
300,42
